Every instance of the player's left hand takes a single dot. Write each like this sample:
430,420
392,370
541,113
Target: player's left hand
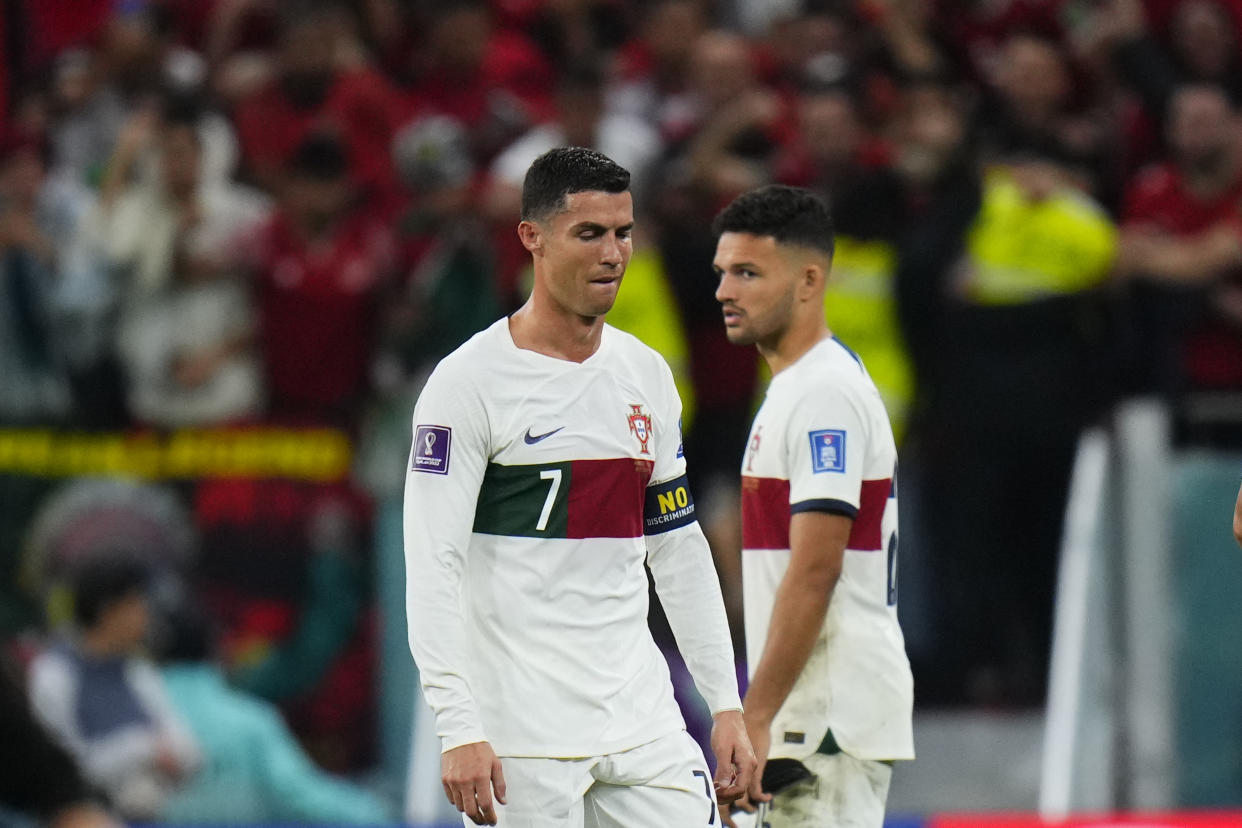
735,760
760,737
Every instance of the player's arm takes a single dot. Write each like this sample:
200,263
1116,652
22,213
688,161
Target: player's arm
447,461
1237,517
817,541
689,590
825,444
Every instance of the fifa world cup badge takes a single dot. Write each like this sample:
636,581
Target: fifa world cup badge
640,426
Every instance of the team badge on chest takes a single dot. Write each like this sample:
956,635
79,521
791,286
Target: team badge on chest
753,448
640,426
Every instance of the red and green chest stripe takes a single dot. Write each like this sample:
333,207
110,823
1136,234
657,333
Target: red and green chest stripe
579,499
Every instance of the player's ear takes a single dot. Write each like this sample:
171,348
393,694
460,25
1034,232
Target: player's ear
531,235
812,280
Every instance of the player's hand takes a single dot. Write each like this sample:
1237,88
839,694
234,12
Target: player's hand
760,742
735,761
470,773
760,733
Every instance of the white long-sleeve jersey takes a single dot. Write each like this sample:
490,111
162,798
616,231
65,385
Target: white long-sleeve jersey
537,488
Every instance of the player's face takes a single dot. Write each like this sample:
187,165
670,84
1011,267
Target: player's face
586,248
757,287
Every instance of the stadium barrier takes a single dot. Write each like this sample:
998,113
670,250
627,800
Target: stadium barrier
1143,713
1109,741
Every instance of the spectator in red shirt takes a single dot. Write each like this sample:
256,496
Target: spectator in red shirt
1199,186
1189,41
573,32
1033,96
793,43
312,91
834,152
495,82
653,67
725,131
52,28
321,261
1184,240
1184,41
445,257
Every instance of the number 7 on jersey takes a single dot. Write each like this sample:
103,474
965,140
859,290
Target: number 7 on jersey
555,476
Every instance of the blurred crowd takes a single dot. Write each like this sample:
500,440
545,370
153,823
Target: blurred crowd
229,213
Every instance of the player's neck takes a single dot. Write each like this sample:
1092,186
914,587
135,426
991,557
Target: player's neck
555,332
791,344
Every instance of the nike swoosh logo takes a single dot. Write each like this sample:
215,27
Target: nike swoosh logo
531,439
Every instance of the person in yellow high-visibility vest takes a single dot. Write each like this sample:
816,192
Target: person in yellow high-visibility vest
1013,366
861,309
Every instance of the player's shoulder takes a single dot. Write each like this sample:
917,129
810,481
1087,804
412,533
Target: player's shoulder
625,342
475,357
635,351
829,369
830,378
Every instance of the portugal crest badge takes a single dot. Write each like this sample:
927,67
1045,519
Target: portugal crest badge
640,426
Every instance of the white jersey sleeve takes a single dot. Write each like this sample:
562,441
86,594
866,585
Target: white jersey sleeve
826,442
681,563
447,460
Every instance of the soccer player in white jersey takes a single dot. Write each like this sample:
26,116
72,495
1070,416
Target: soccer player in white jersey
829,702
546,468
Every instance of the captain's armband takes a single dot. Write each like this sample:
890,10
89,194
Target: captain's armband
668,506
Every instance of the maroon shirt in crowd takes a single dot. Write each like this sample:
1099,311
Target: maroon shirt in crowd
1158,199
362,107
316,309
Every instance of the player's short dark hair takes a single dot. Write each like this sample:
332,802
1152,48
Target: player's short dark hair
565,170
791,215
105,581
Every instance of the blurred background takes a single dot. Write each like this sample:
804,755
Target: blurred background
236,235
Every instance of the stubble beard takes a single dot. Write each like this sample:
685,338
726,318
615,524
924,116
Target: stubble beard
740,336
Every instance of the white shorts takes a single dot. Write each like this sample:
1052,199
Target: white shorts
845,793
662,784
